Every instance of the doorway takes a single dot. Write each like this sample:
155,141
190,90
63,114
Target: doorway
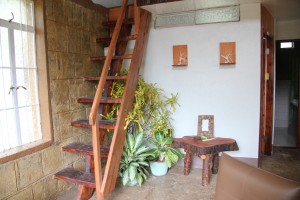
286,126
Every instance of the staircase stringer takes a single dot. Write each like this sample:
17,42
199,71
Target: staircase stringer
116,147
94,114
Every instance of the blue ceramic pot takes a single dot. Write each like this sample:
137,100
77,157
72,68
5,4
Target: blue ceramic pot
132,183
158,168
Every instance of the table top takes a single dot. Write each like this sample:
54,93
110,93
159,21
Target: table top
196,145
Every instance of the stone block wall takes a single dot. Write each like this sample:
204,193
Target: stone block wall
72,27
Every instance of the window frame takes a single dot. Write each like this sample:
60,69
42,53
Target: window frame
43,91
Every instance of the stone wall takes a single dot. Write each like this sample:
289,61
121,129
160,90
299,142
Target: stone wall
72,27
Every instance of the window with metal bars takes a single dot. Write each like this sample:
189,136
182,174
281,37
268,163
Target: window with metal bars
19,102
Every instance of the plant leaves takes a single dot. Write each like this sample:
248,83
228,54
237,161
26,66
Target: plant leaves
135,164
144,176
138,140
139,179
168,161
177,152
144,170
168,140
172,156
130,141
144,163
125,178
159,136
141,149
132,172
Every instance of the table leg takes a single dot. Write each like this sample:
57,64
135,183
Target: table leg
206,170
187,163
215,163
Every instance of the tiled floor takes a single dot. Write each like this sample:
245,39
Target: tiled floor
285,137
284,162
173,186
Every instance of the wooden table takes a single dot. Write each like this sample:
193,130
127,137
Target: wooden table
208,151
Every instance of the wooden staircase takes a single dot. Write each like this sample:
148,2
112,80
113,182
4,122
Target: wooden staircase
94,177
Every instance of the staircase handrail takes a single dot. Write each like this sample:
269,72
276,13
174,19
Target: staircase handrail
94,110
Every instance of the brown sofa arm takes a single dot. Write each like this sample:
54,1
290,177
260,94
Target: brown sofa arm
240,181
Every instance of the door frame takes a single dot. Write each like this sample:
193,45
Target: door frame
266,85
266,95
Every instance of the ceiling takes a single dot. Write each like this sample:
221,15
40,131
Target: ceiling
281,9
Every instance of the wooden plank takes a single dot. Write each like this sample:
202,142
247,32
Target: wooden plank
86,149
97,160
136,18
89,164
128,56
84,192
113,161
114,13
113,23
106,41
75,176
103,100
103,124
97,78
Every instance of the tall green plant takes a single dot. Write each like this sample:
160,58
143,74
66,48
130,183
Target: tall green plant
152,110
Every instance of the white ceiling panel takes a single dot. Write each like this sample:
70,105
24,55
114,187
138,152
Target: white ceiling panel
280,9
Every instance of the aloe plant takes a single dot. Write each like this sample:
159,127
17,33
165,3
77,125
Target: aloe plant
163,150
135,159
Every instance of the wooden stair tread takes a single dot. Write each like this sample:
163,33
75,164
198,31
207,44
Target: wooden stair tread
113,23
86,149
102,100
97,78
75,176
106,41
104,124
128,56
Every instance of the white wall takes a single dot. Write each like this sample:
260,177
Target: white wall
286,30
230,93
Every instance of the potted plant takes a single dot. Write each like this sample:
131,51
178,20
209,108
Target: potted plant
165,154
151,115
152,109
134,160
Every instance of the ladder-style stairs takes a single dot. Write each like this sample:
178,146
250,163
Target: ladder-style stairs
94,177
